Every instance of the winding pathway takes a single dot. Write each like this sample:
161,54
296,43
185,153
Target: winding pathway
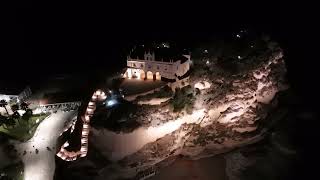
66,155
40,165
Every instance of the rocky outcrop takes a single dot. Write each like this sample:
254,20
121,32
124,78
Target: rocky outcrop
232,112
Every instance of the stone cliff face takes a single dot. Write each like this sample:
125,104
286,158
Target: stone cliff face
232,110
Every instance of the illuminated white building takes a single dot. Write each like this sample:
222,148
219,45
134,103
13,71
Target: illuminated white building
151,68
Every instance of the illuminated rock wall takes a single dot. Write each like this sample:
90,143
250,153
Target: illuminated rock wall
236,109
233,111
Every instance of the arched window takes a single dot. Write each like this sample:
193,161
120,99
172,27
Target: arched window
149,75
158,76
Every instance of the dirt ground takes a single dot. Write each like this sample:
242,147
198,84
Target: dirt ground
212,168
135,86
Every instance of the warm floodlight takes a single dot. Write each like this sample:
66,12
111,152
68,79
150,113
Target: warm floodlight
91,103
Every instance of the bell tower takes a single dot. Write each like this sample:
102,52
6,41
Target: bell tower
148,56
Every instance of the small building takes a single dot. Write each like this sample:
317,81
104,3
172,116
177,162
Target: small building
153,67
15,95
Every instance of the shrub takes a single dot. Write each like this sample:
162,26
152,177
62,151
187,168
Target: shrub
162,93
183,99
27,115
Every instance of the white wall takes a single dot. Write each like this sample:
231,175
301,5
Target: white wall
7,97
166,69
183,68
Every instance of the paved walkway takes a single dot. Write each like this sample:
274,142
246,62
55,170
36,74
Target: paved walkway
41,165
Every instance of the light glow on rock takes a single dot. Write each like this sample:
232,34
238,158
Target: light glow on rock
202,85
123,144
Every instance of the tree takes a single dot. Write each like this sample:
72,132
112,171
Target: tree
5,177
10,122
27,115
24,106
2,120
3,103
7,121
16,116
15,107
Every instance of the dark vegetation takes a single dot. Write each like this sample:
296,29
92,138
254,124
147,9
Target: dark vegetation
12,172
20,127
183,99
77,169
115,118
164,92
232,55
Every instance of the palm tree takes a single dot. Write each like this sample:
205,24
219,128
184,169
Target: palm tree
5,122
2,120
27,115
14,107
5,177
16,116
10,122
3,103
24,106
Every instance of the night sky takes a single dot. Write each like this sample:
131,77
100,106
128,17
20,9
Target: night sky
49,41
76,38
56,40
